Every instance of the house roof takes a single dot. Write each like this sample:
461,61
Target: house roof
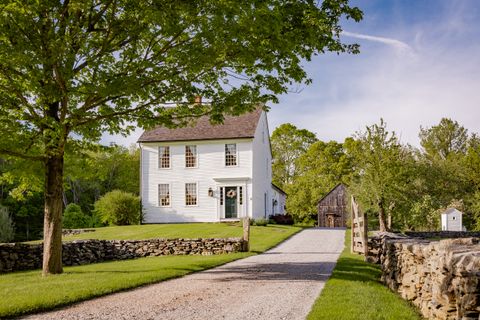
337,186
233,127
451,210
278,189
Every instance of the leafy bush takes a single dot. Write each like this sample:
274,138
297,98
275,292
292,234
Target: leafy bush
74,218
119,208
259,222
7,230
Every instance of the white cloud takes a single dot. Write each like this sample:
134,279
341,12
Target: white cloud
397,44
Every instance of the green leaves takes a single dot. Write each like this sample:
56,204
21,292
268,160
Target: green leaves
120,61
288,144
444,140
119,208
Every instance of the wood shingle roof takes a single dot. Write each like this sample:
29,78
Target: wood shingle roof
233,127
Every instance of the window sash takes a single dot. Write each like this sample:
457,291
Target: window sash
164,157
190,194
230,154
164,195
221,196
190,156
240,195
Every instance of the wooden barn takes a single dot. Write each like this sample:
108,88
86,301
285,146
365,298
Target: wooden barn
332,208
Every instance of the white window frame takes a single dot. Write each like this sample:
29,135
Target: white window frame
169,195
225,155
169,158
196,194
195,155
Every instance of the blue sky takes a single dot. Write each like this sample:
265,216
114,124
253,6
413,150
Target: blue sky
419,62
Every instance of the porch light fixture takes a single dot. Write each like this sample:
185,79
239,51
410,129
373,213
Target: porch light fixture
210,192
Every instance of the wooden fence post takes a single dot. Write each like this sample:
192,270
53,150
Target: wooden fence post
365,236
246,234
352,225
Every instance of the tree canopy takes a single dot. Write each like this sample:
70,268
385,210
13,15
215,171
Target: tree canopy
445,139
288,144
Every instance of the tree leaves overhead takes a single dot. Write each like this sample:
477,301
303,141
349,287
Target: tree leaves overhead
93,66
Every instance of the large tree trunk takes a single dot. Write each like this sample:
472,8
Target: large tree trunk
52,228
381,217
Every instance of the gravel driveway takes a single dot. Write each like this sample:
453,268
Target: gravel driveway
282,283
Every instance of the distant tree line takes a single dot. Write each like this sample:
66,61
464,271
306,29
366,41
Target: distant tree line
89,175
400,187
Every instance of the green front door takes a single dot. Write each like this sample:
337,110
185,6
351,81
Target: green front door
231,202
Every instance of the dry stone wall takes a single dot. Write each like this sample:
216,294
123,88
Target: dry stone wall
441,277
19,256
443,234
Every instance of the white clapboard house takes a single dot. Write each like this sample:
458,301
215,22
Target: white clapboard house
209,173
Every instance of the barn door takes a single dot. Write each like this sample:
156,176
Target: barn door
330,222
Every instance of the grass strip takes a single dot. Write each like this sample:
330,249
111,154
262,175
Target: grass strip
28,292
354,291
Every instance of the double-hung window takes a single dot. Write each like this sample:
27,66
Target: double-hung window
164,157
190,194
164,195
190,156
230,154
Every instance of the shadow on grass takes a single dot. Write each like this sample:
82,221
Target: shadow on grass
354,269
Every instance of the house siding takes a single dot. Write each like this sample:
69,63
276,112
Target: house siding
262,170
281,199
210,165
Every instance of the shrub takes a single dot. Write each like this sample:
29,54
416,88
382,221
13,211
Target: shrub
94,221
74,218
283,219
7,230
118,208
259,222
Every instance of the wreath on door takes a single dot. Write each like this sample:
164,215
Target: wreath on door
231,193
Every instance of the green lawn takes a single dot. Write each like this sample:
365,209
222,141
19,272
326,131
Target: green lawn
150,231
27,292
354,292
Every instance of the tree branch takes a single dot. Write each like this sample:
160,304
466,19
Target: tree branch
21,155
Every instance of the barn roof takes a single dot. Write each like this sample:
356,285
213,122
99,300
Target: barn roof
233,127
337,186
